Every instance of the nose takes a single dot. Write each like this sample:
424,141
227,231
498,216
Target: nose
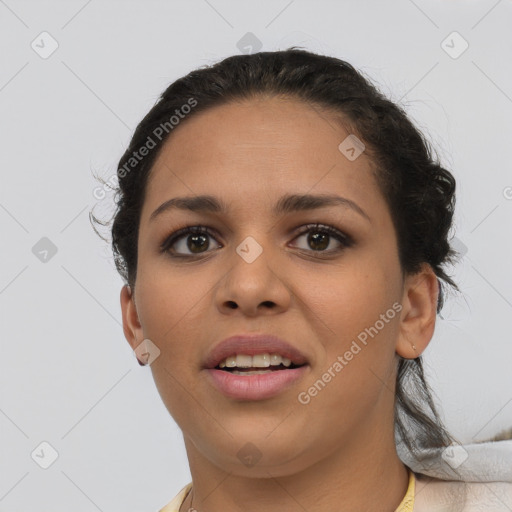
254,283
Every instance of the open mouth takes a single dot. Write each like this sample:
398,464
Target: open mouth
254,367
243,377
257,370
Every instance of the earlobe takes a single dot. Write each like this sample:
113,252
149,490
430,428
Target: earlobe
418,318
131,324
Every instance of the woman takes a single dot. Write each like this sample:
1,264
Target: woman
282,229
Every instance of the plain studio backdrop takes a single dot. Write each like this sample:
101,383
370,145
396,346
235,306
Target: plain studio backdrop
76,77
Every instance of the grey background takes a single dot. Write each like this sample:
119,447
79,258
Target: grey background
68,376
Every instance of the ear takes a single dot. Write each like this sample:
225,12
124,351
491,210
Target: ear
131,325
418,317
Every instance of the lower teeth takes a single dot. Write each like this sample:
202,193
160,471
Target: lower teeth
258,372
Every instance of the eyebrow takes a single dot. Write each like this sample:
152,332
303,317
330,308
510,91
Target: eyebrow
286,204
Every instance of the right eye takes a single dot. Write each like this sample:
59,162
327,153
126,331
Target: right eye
191,238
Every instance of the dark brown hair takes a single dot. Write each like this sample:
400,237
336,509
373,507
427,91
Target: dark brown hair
420,193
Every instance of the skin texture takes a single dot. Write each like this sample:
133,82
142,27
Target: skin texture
338,451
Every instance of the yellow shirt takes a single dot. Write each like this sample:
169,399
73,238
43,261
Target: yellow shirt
406,505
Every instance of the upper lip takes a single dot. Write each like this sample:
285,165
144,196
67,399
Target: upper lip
252,345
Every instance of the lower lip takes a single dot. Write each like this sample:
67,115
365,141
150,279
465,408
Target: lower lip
255,387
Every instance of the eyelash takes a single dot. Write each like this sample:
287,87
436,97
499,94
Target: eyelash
345,240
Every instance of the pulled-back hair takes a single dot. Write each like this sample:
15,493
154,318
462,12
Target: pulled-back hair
419,192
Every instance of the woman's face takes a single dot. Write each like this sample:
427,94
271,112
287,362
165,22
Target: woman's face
313,291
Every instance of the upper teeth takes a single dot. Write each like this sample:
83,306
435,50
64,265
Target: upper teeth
257,361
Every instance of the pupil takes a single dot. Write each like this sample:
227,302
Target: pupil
195,238
321,238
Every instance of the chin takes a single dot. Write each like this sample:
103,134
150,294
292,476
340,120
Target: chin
256,454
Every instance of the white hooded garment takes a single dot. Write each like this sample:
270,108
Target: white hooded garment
464,478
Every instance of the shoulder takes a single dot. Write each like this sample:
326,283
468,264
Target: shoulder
436,495
175,503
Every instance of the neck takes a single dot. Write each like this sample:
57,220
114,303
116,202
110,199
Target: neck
362,474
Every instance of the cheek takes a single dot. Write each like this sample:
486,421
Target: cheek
357,322
170,314
349,299
172,299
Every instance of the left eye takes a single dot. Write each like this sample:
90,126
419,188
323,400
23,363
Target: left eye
196,240
319,237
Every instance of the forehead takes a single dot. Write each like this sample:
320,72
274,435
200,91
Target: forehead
254,151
